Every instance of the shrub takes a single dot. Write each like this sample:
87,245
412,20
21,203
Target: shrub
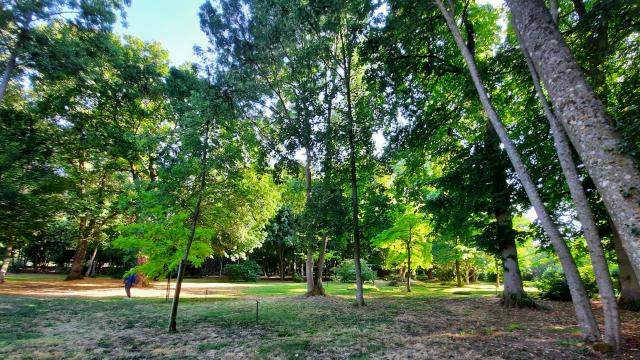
298,278
396,280
346,272
245,271
553,285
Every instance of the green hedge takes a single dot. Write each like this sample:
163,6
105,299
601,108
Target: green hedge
244,271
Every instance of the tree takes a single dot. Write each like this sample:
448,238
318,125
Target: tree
408,236
21,16
581,302
587,219
584,119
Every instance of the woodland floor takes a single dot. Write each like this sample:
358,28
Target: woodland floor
42,317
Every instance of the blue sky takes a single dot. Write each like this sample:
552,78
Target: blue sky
173,23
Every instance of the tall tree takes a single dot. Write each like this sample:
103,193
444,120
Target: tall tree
23,15
580,300
587,219
583,117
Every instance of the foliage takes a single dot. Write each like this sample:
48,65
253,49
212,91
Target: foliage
245,271
346,273
409,233
553,285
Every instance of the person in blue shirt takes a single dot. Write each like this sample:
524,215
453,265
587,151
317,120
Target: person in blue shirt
128,283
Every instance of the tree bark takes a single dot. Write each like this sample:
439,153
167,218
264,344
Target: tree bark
318,289
583,117
585,215
582,305
8,250
281,261
13,57
81,251
194,223
513,288
347,54
409,267
629,288
90,265
458,275
307,178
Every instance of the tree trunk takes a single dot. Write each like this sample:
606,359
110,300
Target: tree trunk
194,223
582,305
281,261
6,75
409,263
505,237
81,252
90,266
309,272
583,117
347,54
307,178
585,215
513,288
318,289
466,271
7,258
458,275
13,57
629,288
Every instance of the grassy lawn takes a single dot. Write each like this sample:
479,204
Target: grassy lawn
433,321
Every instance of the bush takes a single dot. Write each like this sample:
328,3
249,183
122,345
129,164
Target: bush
346,272
396,280
245,271
298,278
553,285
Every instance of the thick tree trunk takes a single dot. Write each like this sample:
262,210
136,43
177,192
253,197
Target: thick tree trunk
505,237
513,288
91,262
583,117
582,305
585,215
629,288
194,224
8,250
81,251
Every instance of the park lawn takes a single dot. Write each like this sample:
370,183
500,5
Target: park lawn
434,321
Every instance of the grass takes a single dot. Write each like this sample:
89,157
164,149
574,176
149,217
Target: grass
433,321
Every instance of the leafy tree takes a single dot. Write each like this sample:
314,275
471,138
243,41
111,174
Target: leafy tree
408,236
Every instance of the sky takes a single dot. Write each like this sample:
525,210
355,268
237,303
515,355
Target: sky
175,24
172,23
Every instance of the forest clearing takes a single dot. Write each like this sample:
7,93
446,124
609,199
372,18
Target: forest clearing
341,179
47,318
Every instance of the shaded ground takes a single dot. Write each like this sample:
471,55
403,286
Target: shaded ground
433,322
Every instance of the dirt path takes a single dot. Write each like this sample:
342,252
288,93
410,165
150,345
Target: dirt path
106,288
